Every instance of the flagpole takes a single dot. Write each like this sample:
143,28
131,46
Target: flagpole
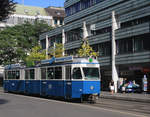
114,70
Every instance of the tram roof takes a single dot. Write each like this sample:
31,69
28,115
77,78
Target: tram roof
55,61
70,59
14,66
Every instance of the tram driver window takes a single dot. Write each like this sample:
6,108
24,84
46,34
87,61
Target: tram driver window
77,73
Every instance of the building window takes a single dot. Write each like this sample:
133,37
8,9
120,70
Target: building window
124,46
72,52
43,44
61,22
55,21
73,35
138,45
102,31
146,42
135,22
83,4
141,43
105,49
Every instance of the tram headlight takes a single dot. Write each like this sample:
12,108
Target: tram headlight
92,87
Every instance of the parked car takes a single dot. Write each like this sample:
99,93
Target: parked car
129,87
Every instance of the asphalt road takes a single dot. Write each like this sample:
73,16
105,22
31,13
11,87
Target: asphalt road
12,105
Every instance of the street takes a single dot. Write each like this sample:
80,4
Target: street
15,105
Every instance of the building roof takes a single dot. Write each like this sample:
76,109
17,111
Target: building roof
56,11
30,10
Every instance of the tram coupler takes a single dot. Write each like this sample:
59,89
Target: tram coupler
93,98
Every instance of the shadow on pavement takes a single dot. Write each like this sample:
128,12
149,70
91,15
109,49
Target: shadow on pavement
3,101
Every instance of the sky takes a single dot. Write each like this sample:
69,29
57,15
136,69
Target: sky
42,3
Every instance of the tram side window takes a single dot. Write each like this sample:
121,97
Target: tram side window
32,74
50,73
43,73
13,75
68,72
6,75
17,74
9,74
58,72
26,74
77,73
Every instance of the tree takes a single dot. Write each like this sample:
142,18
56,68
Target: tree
86,50
6,7
56,51
18,41
37,54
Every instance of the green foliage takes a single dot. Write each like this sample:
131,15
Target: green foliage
86,50
17,41
35,55
56,51
6,7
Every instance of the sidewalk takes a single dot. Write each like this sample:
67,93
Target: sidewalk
126,96
1,89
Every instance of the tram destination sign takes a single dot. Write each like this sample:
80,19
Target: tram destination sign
63,59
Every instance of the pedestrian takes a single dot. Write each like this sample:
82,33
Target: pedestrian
111,85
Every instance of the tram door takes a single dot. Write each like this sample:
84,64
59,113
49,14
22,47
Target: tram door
68,81
43,81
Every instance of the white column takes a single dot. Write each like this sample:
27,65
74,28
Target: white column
63,41
58,22
53,22
85,32
54,48
114,71
47,44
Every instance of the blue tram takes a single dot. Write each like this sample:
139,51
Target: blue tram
66,77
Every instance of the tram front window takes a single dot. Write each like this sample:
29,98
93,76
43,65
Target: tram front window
91,73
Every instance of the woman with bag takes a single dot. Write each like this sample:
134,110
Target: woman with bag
111,85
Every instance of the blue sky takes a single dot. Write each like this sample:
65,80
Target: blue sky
42,3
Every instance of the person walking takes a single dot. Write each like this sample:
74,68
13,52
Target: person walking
112,87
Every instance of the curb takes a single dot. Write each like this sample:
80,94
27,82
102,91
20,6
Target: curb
146,100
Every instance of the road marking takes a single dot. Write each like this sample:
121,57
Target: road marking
81,105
